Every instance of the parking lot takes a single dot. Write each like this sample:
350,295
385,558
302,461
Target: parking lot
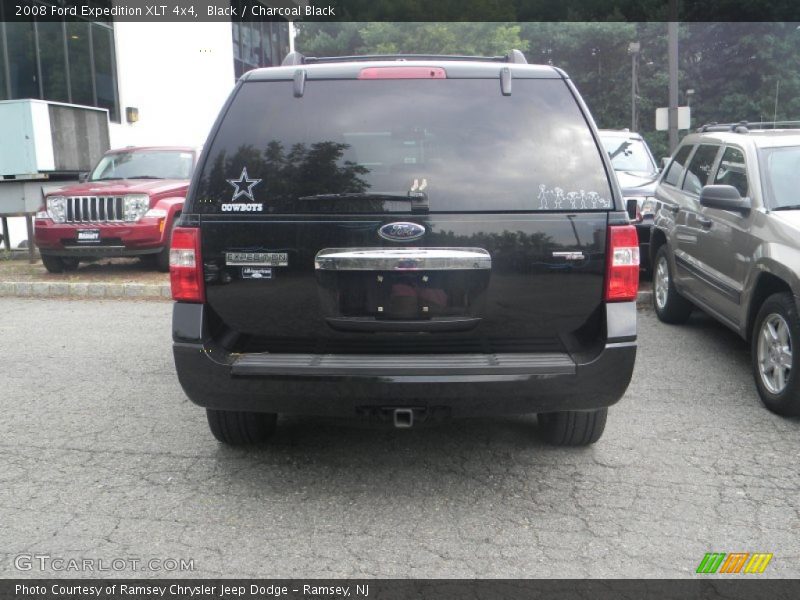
104,458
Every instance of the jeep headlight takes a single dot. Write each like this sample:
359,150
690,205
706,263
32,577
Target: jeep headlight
57,208
136,205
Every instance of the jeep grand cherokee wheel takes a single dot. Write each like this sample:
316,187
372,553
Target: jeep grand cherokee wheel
57,264
669,305
239,428
573,427
776,366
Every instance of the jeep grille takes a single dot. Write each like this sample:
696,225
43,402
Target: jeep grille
92,209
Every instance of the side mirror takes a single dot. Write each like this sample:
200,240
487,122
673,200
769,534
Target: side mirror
83,176
724,197
664,162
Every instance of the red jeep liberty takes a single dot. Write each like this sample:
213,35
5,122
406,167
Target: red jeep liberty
128,206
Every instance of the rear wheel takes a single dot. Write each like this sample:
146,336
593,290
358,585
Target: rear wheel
58,264
776,366
573,427
238,428
669,305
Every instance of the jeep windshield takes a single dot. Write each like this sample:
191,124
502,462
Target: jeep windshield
628,154
155,164
782,177
456,145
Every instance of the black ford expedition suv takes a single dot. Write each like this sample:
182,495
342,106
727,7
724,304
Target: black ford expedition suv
405,238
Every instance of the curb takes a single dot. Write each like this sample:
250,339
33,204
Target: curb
60,289
127,291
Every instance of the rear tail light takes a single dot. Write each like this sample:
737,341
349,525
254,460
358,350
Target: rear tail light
186,265
622,271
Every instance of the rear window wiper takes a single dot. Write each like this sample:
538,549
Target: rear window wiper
418,200
788,207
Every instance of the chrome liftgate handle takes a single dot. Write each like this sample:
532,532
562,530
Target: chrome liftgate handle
402,259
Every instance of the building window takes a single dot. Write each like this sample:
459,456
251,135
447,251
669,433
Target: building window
23,78
80,63
258,44
53,60
104,66
60,61
3,82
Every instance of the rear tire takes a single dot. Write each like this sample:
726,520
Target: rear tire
54,264
573,427
774,354
669,305
239,428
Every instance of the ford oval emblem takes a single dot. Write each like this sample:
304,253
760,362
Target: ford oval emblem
401,232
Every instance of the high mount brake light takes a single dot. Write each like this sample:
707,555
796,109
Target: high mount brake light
186,266
622,266
403,73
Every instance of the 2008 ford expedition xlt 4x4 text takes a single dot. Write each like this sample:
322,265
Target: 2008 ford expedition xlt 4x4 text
405,238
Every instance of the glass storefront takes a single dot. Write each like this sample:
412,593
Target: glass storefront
60,61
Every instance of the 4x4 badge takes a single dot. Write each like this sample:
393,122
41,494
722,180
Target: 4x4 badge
401,232
244,186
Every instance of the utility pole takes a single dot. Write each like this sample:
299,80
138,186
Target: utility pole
634,49
672,51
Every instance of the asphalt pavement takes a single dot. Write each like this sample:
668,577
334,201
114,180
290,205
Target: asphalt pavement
104,459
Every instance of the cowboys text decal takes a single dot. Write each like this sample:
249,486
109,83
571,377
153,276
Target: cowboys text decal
243,187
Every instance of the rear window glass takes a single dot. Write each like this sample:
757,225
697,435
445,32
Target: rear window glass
782,176
676,167
628,154
366,146
732,170
699,169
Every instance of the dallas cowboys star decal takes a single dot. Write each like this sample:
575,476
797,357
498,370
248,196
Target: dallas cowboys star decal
244,185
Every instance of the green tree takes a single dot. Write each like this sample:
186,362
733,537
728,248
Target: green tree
341,39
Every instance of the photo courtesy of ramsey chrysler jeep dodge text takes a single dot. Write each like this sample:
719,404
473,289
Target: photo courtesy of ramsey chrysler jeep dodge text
405,238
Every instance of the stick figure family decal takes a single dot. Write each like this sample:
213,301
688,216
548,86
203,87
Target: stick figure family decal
557,199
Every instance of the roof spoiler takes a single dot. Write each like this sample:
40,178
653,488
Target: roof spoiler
296,58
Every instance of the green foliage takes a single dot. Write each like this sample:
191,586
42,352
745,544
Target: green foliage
441,38
342,39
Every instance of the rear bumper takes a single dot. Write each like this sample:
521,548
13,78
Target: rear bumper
454,384
145,236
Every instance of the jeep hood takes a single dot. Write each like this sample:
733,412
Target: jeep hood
123,186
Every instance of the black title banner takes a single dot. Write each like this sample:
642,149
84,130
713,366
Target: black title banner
733,588
401,10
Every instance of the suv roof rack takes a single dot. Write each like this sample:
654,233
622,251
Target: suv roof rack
296,58
746,127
